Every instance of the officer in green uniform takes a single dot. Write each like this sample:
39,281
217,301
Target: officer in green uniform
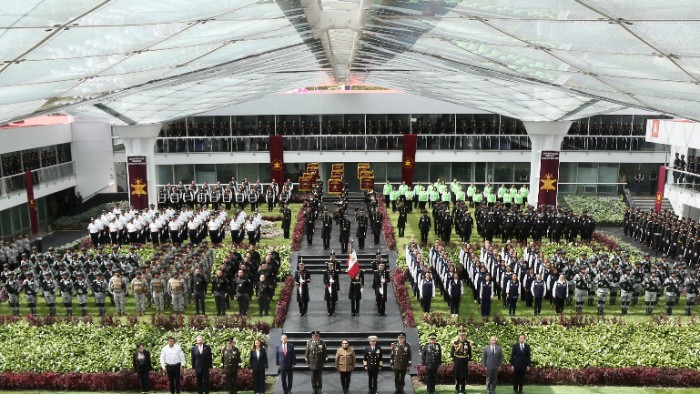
490,199
400,362
230,362
507,200
460,195
386,192
417,189
434,195
471,190
476,198
446,198
315,357
524,191
394,198
408,200
422,199
403,188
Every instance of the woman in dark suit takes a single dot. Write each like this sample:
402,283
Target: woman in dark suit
142,366
258,364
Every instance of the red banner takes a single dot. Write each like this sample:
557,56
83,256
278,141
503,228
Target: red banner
335,185
276,159
549,178
138,181
367,184
409,158
306,185
660,188
31,203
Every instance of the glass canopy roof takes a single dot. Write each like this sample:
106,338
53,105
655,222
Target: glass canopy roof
135,61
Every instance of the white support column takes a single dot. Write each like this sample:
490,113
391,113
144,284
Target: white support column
544,136
140,140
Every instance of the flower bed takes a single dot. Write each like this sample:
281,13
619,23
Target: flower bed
112,381
387,227
603,376
298,232
398,279
284,301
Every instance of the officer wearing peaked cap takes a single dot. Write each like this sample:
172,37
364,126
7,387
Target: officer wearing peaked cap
400,362
372,362
431,358
315,356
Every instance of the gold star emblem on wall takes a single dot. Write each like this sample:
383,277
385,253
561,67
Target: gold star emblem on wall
138,188
548,183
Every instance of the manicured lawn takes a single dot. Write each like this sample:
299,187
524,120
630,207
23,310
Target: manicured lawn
470,309
130,306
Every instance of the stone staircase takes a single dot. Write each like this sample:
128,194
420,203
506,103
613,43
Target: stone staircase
646,203
317,264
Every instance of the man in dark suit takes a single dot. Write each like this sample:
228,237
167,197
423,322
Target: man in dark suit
491,359
202,362
286,361
520,360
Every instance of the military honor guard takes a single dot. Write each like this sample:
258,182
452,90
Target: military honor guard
461,353
400,362
373,362
315,356
380,285
357,284
332,287
302,278
431,358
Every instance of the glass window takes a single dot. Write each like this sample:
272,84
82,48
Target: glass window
264,172
164,174
6,222
247,170
380,174
393,172
480,172
587,177
462,171
183,173
421,172
225,171
503,172
205,172
440,170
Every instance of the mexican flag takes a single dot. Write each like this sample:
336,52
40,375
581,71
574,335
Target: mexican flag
353,265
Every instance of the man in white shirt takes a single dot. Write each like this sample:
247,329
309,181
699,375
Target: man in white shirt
172,360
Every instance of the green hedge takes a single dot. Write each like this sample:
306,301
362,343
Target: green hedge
665,344
89,348
607,211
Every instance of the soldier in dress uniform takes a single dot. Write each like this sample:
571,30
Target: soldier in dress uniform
424,226
139,288
302,278
230,362
309,225
66,287
315,356
344,234
373,362
361,220
332,286
400,362
461,354
11,286
355,293
48,287
431,358
157,286
403,218
286,220
326,229
380,284
377,226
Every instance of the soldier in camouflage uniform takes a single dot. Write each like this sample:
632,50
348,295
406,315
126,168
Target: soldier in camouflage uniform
66,287
157,287
11,286
31,289
651,287
139,288
118,288
315,356
48,287
176,289
673,287
626,291
603,289
400,362
82,287
582,287
691,292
